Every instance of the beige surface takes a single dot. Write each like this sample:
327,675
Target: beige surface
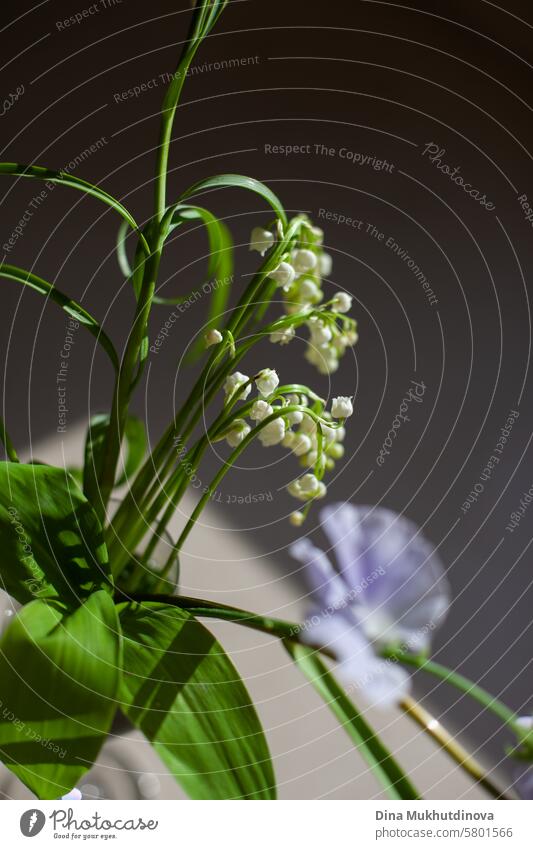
312,755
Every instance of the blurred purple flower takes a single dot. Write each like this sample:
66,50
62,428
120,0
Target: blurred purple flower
389,590
524,783
524,774
73,796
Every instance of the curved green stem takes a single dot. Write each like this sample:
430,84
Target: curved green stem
281,628
443,673
71,308
205,16
36,172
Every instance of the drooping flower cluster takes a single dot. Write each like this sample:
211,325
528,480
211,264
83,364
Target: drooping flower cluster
389,590
300,276
291,416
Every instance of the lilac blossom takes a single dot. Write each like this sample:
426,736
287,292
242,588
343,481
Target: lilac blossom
73,796
389,589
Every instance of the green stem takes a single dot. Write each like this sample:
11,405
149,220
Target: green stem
443,673
203,391
337,700
204,18
380,760
280,628
125,379
451,746
224,469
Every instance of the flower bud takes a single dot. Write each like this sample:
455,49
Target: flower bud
261,240
267,381
342,302
233,381
341,407
320,332
283,336
308,425
325,264
304,261
335,450
260,411
321,490
284,274
272,433
213,337
297,518
238,432
288,439
309,485
309,460
301,444
308,291
340,433
295,417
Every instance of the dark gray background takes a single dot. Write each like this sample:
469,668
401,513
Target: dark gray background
377,78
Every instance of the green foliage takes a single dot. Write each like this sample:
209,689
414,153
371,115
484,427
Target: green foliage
50,538
385,768
72,309
77,649
183,692
237,181
59,675
61,178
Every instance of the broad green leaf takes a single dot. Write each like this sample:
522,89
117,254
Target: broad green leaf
368,744
228,181
51,541
59,676
62,178
135,450
183,692
67,304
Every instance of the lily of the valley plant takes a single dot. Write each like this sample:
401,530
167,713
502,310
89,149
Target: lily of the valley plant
101,630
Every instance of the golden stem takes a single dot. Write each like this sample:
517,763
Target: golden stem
451,746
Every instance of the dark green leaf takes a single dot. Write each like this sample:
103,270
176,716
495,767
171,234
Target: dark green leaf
51,541
59,675
228,181
71,307
62,178
183,692
385,767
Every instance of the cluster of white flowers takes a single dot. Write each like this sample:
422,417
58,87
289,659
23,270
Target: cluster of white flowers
300,276
309,432
318,444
